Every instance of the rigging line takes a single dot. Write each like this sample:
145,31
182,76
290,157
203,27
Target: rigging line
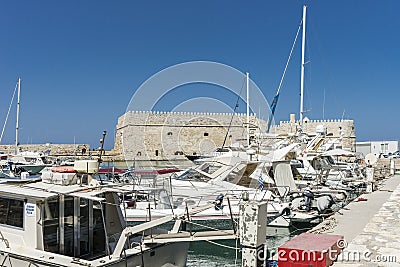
234,111
8,113
205,226
221,245
275,100
290,56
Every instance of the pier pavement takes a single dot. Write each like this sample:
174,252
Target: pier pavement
371,228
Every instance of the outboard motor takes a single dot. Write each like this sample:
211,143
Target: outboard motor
324,203
308,196
218,202
286,212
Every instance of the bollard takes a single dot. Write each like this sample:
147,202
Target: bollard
370,179
392,167
253,232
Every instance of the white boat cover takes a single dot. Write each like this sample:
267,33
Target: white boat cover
338,152
284,178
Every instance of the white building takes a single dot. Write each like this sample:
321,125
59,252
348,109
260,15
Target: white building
377,147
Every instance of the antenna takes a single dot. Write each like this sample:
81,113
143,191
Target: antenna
102,145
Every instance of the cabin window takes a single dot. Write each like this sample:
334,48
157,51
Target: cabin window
84,226
51,225
69,244
12,212
99,239
139,154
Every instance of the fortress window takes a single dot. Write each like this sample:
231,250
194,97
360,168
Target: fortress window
205,134
169,133
139,153
156,153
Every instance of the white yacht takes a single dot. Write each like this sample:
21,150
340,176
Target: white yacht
213,182
69,219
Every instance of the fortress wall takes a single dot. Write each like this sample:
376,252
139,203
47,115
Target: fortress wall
159,135
53,149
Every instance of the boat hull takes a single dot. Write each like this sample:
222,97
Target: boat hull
32,169
170,254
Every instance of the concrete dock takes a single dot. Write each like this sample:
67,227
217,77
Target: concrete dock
371,227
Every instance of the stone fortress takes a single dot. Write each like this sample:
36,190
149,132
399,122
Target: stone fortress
142,135
165,135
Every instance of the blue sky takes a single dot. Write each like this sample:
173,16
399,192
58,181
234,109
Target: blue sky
81,61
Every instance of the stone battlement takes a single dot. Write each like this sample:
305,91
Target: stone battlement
315,121
185,113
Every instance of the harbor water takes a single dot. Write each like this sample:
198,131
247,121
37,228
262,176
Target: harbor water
227,253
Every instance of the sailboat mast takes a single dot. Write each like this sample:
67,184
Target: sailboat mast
303,48
17,123
248,108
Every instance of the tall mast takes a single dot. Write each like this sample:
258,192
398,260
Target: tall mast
303,48
17,123
248,109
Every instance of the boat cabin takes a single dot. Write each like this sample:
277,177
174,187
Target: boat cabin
67,220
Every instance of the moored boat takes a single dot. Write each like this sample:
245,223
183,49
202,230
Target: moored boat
72,220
